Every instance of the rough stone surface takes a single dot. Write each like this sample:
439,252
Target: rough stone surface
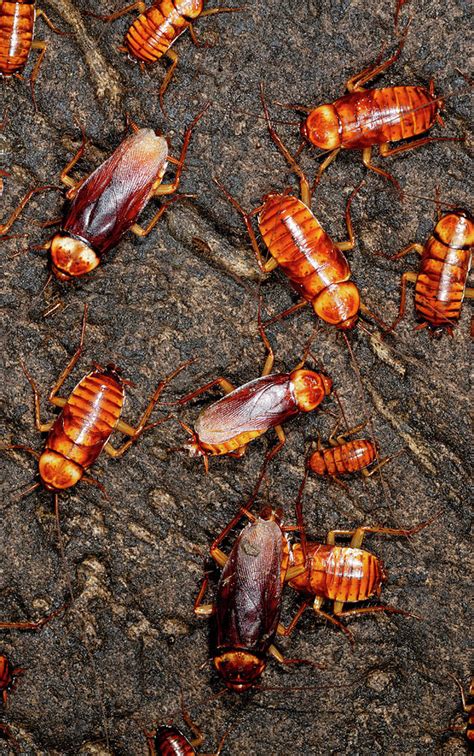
115,664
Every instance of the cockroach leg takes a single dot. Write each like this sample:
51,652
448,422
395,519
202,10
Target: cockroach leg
41,427
356,82
57,400
139,6
408,276
387,151
346,246
64,175
287,662
286,631
367,160
173,56
325,164
414,247
172,187
35,624
5,227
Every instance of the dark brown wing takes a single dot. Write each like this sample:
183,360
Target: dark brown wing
111,199
258,405
249,591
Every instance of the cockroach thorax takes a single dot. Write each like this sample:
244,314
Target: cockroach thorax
190,8
310,388
57,472
71,257
322,128
239,669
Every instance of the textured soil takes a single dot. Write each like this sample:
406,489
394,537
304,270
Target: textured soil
115,663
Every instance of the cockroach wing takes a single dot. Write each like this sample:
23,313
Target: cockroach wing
249,591
113,196
258,405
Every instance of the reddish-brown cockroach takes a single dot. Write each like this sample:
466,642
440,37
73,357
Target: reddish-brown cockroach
368,117
168,740
315,265
245,413
342,574
17,24
152,34
468,707
344,457
8,673
85,424
248,601
440,284
107,203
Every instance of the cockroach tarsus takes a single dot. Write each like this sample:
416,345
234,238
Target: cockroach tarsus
108,202
17,23
248,601
440,284
365,118
314,264
245,413
157,28
87,420
341,574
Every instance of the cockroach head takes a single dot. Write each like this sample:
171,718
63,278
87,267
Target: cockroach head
239,669
71,257
322,128
191,8
310,388
273,515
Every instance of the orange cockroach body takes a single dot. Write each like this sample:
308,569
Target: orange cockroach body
87,420
7,677
440,284
349,457
365,118
168,740
157,28
17,23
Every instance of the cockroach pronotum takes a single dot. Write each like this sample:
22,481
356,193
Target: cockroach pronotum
107,203
157,28
344,457
315,265
440,284
342,574
368,117
248,601
245,413
17,24
85,424
168,740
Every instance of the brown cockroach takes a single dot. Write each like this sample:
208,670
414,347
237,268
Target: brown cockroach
344,457
368,117
313,262
168,740
245,413
85,424
440,284
341,574
17,25
248,600
157,28
107,203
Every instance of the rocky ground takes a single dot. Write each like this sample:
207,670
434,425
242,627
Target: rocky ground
115,663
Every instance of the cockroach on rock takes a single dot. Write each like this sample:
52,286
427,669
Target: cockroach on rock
365,118
157,28
107,203
168,740
248,602
17,26
245,413
440,284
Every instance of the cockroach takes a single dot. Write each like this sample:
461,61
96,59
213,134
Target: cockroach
368,117
440,284
107,203
168,740
468,707
245,413
344,457
8,675
248,601
17,25
85,424
341,574
313,262
157,28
